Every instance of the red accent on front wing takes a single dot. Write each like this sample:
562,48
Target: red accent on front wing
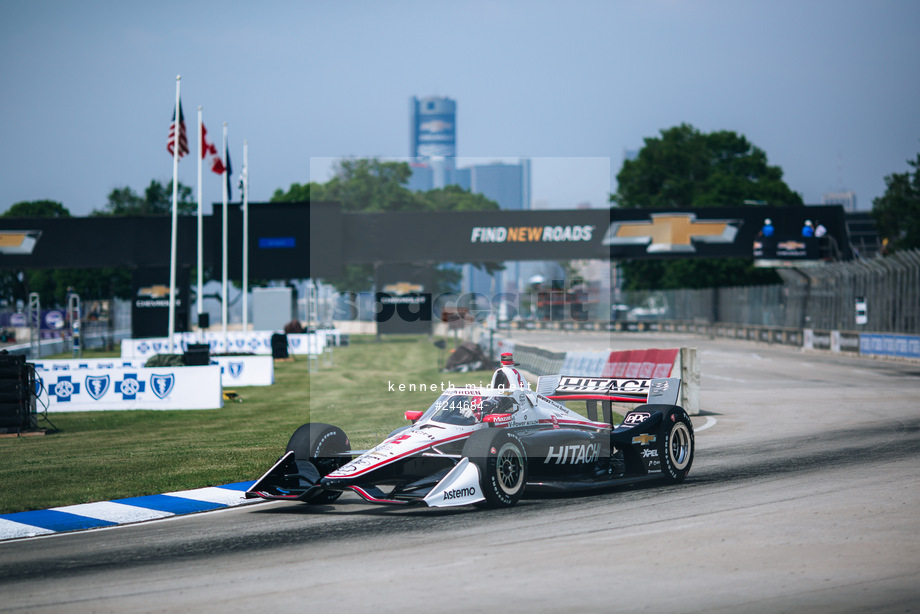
368,497
401,456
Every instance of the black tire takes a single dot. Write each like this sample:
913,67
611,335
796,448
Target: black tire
675,445
317,443
502,463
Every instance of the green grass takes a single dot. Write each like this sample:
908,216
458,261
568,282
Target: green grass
106,455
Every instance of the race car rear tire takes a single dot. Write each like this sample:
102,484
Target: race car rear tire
675,445
317,443
502,463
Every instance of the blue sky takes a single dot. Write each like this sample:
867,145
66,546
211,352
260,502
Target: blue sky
829,89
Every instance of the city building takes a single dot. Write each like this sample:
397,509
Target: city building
433,159
432,140
845,198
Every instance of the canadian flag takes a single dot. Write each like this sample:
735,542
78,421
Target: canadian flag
208,149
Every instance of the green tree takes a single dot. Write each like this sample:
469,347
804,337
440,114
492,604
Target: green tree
157,200
684,168
370,185
37,208
296,194
897,211
455,198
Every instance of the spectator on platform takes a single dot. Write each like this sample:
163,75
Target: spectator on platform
767,230
820,230
808,230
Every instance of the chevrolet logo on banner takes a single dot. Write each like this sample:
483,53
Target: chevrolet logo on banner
403,287
157,291
18,242
671,232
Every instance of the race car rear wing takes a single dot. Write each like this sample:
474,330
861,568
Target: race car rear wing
607,390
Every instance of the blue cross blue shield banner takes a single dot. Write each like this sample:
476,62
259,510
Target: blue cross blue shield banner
97,385
162,384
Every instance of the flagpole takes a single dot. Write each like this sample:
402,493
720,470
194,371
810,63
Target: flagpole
245,235
175,223
223,307
200,223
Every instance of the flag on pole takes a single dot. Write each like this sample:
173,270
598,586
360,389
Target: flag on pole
229,171
209,149
183,139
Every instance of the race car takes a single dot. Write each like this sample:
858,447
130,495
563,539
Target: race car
486,445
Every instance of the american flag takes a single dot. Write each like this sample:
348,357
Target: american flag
183,140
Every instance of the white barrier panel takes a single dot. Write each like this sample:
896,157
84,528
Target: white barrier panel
255,342
585,363
246,370
129,388
235,370
72,364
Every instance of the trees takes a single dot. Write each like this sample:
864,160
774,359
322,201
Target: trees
37,208
685,168
157,200
897,211
369,185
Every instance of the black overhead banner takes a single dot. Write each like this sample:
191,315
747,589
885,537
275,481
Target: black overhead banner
286,240
301,240
717,232
474,236
93,242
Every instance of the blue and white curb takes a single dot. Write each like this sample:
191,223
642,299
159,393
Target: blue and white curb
122,511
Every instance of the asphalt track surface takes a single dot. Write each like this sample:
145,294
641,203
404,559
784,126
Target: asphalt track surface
804,497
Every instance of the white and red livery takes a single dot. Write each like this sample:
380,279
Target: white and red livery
487,445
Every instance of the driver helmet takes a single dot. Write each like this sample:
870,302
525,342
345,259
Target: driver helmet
476,403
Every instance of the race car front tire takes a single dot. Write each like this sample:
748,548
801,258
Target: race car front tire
320,444
502,463
675,445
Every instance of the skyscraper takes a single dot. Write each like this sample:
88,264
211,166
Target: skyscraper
433,136
433,151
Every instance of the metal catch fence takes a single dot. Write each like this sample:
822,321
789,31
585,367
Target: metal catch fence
822,298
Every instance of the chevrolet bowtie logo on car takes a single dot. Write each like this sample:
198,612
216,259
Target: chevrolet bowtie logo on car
671,232
18,242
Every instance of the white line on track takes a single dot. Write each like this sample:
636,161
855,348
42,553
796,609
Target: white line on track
725,379
710,421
